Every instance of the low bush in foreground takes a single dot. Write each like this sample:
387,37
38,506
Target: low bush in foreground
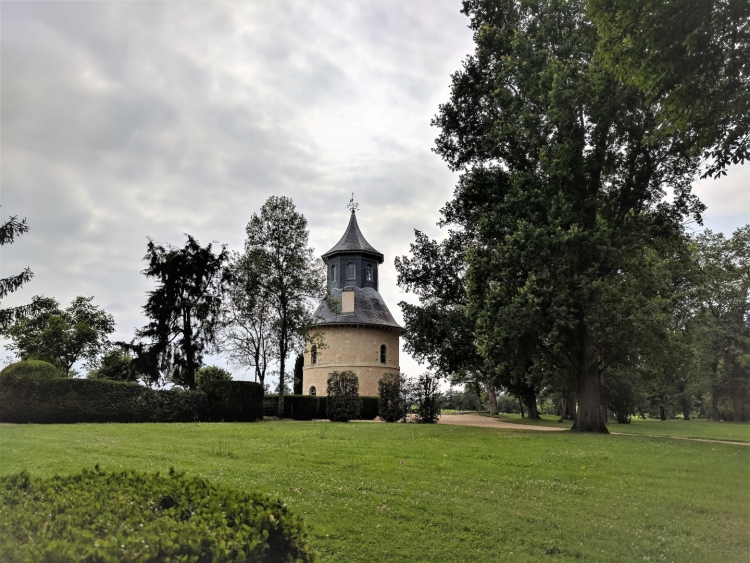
96,516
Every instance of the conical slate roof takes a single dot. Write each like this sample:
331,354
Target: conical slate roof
353,242
369,309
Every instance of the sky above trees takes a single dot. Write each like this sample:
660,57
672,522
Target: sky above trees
127,120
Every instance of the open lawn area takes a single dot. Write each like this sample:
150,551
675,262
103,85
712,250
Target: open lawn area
395,492
703,429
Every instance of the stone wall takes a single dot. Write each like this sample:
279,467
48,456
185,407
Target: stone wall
351,348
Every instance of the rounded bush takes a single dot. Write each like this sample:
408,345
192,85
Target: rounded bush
96,516
30,370
342,392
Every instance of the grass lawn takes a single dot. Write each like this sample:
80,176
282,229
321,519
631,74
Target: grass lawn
733,431
394,492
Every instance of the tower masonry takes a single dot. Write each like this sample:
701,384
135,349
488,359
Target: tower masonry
363,337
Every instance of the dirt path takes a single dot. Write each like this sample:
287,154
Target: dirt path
487,422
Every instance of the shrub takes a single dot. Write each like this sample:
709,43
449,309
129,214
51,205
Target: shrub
30,369
211,373
131,516
392,387
233,401
115,365
303,407
343,396
369,407
426,399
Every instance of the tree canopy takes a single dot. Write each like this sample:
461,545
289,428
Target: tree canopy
61,336
9,231
278,259
184,310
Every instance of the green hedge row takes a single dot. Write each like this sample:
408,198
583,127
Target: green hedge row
307,407
42,398
147,518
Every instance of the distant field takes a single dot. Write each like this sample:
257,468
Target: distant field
381,492
704,429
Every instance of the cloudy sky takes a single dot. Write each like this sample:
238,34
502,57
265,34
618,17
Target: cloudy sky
127,120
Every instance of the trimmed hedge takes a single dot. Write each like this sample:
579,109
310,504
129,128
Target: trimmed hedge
41,399
129,516
31,368
369,407
307,407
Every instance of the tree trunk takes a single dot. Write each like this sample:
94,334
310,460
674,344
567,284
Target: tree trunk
520,405
529,398
189,352
492,397
282,366
685,404
662,412
591,414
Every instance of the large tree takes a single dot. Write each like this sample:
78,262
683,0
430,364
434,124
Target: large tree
440,330
570,187
61,336
247,335
183,310
9,231
277,255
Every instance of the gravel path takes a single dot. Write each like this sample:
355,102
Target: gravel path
487,422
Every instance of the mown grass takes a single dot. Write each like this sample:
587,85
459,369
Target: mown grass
394,492
703,429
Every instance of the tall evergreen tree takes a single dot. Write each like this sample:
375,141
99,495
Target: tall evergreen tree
184,310
9,231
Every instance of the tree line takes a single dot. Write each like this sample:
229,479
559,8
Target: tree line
254,306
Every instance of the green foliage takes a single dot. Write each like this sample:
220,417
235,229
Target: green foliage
686,500
299,364
115,365
131,516
692,57
425,397
304,407
61,336
393,397
287,274
211,373
183,310
233,401
30,369
343,396
9,230
369,407
44,398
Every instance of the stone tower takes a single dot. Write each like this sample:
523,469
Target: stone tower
363,337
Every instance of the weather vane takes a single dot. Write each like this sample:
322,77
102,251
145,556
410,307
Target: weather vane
353,206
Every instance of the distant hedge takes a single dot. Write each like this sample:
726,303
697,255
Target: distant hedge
129,516
39,398
308,407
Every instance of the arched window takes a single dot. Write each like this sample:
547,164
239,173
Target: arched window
333,273
351,273
314,354
382,353
313,392
369,272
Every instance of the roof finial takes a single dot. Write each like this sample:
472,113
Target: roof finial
353,206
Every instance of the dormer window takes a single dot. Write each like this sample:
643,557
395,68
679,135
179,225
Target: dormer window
368,272
351,273
333,273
